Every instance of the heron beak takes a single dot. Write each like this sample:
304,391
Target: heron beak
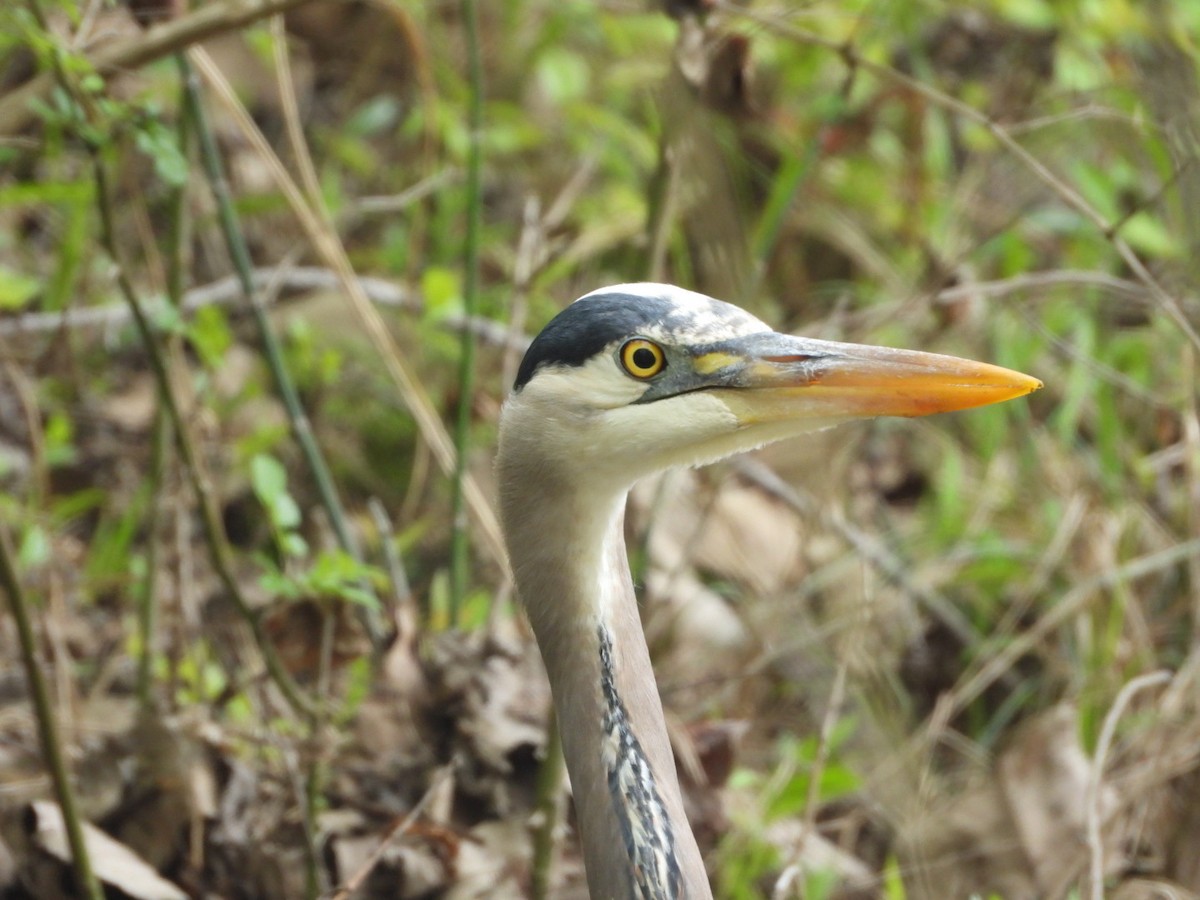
777,377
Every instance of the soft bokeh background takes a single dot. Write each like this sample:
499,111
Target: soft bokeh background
902,659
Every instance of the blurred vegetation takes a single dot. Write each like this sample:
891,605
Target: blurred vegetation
1011,180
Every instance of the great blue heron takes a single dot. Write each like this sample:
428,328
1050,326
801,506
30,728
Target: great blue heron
625,382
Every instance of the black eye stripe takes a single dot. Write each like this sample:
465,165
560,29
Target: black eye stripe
591,325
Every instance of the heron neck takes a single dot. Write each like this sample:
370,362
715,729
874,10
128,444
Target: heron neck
573,576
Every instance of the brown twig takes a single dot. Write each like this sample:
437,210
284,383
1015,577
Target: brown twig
329,249
865,545
43,710
210,515
1073,602
1095,816
397,830
285,386
16,107
284,281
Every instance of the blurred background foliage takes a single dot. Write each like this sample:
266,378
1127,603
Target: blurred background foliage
1011,180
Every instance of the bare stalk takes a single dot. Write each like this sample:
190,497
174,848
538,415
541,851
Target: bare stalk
460,544
402,604
148,600
163,440
214,532
236,243
1095,814
329,249
548,803
46,722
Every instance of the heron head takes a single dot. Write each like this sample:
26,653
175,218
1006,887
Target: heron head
636,378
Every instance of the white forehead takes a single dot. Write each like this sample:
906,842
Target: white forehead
694,318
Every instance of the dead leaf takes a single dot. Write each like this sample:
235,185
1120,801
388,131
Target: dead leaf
807,852
488,859
1044,776
114,863
1019,831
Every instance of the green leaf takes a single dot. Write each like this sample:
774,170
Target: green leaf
285,511
335,573
375,116
562,74
16,289
35,547
893,880
279,585
442,289
268,477
269,480
158,142
209,333
165,316
1150,236
58,437
292,544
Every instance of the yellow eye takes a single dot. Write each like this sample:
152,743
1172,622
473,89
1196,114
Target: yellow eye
642,358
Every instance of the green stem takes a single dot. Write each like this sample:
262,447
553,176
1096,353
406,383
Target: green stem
43,711
148,601
160,452
47,725
214,532
460,547
548,803
240,254
792,175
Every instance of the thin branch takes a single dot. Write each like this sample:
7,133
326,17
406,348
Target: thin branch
46,722
548,805
330,250
240,254
459,541
389,205
403,610
1064,191
1073,602
43,710
866,546
291,116
211,19
285,281
401,827
214,532
223,292
1096,775
163,440
147,601
1038,281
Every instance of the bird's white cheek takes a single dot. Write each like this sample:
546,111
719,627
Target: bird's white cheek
646,438
595,386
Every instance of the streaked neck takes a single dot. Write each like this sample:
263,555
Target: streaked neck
573,575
